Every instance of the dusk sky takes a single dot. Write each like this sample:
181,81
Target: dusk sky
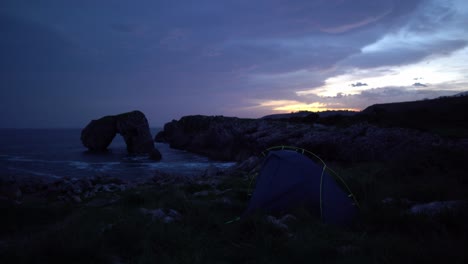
63,63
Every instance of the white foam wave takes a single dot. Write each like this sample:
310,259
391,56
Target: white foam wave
36,173
23,159
107,166
93,166
136,158
80,165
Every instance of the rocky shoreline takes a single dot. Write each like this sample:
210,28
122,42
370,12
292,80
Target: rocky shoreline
15,190
410,185
68,190
242,140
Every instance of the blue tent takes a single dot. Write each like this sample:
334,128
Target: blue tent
289,179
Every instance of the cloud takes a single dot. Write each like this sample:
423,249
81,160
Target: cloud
433,29
393,94
448,71
419,85
221,57
353,102
358,84
369,97
280,36
357,24
407,53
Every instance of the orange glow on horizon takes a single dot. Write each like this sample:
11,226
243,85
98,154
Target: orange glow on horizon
295,106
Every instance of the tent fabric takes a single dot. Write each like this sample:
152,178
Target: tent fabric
289,179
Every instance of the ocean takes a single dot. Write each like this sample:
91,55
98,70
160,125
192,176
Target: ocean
55,153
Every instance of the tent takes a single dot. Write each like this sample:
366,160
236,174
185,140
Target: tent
289,179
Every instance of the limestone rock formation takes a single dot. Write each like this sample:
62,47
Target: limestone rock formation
98,134
236,139
134,128
217,137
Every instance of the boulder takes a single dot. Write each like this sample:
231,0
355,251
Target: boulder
160,137
281,224
155,154
79,189
132,126
218,137
10,192
164,215
437,207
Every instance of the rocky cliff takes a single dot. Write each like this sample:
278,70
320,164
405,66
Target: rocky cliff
230,138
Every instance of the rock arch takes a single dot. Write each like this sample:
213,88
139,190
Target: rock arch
134,128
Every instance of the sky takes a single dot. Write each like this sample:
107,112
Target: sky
64,63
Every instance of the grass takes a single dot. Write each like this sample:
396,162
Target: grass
119,233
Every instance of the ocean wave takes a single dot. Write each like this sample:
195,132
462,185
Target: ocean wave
136,158
79,165
93,166
36,173
21,159
24,159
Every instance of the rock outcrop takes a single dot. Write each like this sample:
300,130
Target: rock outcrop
10,191
220,138
134,128
229,138
98,134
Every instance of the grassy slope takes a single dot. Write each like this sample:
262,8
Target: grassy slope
45,232
447,116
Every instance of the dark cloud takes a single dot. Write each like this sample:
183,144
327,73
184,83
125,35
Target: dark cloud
401,55
419,85
358,84
387,92
433,28
169,58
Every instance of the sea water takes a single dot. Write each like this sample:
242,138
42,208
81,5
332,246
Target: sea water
56,153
